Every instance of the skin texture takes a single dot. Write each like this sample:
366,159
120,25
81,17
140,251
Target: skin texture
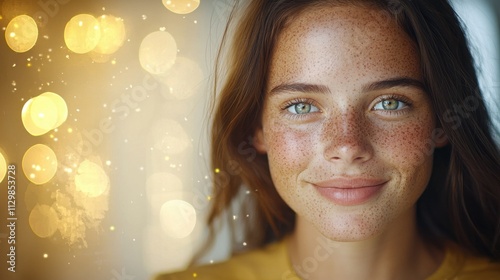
328,61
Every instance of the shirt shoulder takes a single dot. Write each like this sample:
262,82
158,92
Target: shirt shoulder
460,265
270,262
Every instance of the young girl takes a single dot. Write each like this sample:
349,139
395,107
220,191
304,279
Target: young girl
373,151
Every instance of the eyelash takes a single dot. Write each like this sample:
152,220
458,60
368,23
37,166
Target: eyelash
296,101
398,98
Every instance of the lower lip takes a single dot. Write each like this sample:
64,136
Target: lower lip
350,196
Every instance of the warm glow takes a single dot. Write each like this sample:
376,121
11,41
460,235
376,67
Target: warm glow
183,80
39,164
177,218
28,123
35,194
62,108
158,52
43,221
91,179
112,34
3,167
181,6
21,33
161,187
44,113
169,137
82,33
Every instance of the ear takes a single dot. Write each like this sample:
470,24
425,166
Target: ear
440,138
259,142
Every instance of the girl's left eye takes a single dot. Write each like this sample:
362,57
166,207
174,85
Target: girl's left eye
390,104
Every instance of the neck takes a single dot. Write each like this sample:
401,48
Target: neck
397,253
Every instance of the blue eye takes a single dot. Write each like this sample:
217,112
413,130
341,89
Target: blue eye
390,104
302,108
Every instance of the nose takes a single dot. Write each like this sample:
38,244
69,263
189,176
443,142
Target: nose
346,139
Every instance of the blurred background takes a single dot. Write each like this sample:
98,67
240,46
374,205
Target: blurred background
104,119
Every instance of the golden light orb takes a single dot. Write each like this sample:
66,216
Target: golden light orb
62,107
43,113
21,33
39,164
181,6
28,123
112,34
177,218
43,221
91,179
158,52
82,33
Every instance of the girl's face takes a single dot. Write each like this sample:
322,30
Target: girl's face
346,124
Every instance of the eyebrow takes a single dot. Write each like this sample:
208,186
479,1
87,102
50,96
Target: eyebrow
378,85
299,87
394,82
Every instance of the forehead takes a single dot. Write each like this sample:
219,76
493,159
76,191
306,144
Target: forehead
339,40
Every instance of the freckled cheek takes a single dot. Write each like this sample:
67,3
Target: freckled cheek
289,149
407,145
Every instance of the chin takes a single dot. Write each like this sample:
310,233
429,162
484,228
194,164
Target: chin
349,234
351,227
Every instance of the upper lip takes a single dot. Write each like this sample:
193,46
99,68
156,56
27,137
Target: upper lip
350,182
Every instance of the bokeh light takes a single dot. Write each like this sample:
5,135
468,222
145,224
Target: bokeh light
39,164
112,34
177,218
158,52
169,137
43,113
28,122
183,80
91,179
43,221
21,33
181,6
3,167
82,33
62,107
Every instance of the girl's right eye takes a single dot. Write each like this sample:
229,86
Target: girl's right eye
301,107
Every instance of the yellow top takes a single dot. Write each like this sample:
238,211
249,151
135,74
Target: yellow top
272,263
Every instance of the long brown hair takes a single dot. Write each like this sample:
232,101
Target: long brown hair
461,202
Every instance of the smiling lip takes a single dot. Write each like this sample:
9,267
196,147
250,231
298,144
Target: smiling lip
350,191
